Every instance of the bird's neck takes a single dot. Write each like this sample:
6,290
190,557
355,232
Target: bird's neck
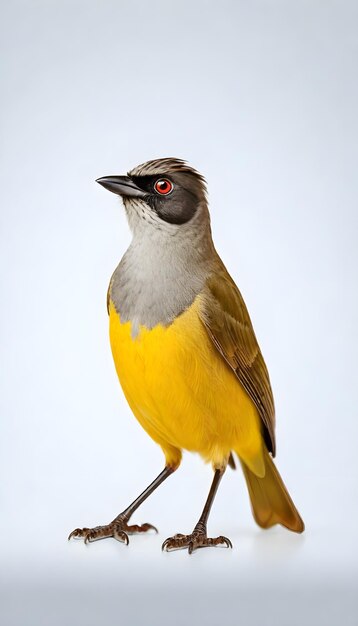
162,272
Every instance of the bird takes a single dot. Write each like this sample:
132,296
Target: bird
186,353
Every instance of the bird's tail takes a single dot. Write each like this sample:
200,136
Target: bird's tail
270,501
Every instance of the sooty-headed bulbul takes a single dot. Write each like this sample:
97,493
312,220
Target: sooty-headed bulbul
185,351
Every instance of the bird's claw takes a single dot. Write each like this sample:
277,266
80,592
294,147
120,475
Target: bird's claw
118,529
194,541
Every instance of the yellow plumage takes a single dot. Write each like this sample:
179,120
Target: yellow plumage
184,394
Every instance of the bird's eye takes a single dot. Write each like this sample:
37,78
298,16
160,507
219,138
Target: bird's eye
163,186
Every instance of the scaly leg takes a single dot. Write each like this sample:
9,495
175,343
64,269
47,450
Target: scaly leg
119,528
199,538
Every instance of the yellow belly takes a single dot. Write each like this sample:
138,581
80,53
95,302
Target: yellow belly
183,393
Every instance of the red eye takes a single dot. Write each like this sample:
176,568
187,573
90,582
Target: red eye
163,186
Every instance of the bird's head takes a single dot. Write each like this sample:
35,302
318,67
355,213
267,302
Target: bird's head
161,192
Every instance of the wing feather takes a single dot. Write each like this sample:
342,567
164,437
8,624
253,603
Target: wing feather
229,326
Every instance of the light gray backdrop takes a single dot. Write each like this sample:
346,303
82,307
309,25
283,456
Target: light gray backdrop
261,97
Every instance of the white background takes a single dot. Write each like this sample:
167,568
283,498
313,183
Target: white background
261,97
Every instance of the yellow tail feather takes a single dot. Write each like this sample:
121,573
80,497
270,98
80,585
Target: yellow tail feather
270,500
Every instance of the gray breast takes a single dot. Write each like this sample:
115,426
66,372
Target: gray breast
160,276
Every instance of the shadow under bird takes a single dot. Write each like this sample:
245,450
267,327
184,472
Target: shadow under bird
186,353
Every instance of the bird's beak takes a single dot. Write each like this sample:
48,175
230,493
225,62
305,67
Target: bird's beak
122,185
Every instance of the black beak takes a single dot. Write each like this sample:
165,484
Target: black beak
122,185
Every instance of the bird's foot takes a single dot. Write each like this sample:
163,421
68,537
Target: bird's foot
119,529
197,539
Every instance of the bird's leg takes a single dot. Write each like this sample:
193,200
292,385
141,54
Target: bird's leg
199,538
119,528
